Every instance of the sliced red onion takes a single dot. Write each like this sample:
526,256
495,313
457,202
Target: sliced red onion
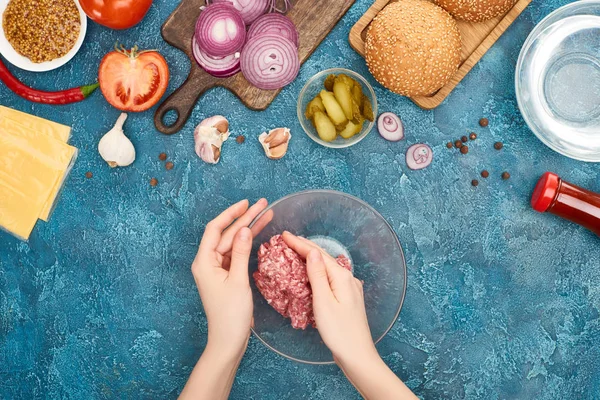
270,61
390,127
273,6
219,67
220,30
419,156
277,24
250,9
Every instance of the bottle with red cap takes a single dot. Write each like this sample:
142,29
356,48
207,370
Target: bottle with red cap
578,205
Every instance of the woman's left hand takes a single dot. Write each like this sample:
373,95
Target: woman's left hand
221,274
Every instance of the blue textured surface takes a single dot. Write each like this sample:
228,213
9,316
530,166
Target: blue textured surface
502,302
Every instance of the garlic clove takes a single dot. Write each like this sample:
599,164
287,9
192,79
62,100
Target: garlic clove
115,148
219,122
276,142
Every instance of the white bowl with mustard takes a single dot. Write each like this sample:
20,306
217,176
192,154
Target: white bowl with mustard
41,38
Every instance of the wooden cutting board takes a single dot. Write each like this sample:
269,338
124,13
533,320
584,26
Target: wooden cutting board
313,18
477,39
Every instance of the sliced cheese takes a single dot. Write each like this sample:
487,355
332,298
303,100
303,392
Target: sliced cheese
32,166
40,125
18,213
47,148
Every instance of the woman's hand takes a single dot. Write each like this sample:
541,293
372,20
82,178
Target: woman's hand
339,307
338,302
221,274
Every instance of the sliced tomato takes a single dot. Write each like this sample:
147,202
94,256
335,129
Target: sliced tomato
133,80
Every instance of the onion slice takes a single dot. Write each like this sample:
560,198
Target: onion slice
273,6
270,61
419,156
220,30
219,67
277,24
390,127
250,9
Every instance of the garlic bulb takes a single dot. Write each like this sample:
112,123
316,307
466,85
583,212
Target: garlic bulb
115,148
209,137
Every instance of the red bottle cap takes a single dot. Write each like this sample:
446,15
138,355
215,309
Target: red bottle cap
545,192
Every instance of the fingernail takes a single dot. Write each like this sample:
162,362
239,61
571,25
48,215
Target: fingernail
262,201
245,234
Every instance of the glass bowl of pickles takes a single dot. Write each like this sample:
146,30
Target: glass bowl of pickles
337,108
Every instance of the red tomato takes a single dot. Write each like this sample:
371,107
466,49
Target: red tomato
133,80
116,14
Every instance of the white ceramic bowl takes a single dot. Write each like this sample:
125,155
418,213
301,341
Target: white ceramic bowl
25,63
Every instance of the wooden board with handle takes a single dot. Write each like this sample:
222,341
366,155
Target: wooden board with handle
477,39
313,18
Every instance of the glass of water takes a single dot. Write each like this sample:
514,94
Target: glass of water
558,80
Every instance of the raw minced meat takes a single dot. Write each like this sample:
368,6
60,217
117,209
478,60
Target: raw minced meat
283,281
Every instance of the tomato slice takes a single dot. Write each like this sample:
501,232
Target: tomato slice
133,80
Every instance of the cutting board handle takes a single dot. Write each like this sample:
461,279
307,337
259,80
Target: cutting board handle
182,101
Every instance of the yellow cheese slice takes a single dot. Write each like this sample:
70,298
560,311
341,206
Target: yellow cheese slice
31,167
40,125
46,148
18,213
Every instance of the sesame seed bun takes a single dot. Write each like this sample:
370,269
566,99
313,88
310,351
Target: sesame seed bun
476,10
413,47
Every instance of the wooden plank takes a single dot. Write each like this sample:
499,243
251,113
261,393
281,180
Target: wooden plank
314,20
477,39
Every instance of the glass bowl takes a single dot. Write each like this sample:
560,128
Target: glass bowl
341,224
313,87
558,80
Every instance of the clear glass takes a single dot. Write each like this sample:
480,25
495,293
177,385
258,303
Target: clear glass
558,80
345,225
313,87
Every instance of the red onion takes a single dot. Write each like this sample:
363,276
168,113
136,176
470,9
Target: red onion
250,9
270,61
220,67
390,127
277,24
419,156
273,7
220,30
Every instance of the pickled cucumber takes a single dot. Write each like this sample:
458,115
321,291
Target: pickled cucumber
329,81
357,95
325,128
367,109
351,83
344,96
333,108
349,131
315,105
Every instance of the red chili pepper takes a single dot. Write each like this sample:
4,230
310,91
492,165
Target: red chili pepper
63,97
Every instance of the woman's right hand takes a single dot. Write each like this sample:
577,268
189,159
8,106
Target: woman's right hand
339,308
338,303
